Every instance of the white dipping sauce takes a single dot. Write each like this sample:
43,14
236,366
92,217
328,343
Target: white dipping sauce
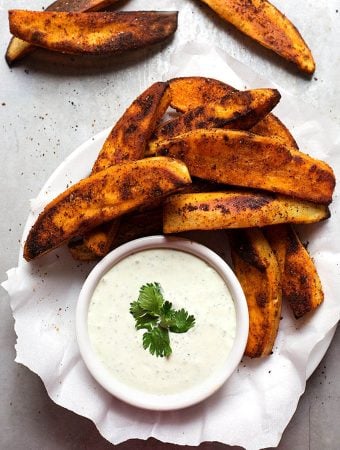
187,282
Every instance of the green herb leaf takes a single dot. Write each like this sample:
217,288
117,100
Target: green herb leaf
158,317
181,321
157,341
150,298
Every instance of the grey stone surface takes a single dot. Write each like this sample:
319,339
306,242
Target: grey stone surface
50,104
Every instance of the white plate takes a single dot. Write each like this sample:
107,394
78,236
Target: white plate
43,298
76,166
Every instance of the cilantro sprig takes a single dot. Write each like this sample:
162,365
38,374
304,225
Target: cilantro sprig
158,317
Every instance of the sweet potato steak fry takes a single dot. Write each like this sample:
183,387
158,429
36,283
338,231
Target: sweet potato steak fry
238,111
301,285
126,142
97,33
257,270
128,139
17,48
264,23
221,210
244,159
101,197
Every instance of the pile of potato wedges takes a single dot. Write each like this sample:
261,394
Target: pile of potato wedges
223,161
76,27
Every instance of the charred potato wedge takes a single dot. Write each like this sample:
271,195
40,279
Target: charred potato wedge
102,197
301,285
257,270
264,23
239,111
126,142
220,210
96,33
17,48
243,159
192,92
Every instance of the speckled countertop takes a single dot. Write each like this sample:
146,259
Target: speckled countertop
49,105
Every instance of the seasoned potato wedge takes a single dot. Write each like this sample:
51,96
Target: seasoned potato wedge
126,142
238,111
264,23
18,48
191,92
128,139
272,126
257,270
101,197
245,159
301,284
219,210
97,33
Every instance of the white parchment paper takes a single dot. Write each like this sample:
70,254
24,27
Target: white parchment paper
253,408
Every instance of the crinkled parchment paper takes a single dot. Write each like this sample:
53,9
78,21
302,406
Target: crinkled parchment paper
253,408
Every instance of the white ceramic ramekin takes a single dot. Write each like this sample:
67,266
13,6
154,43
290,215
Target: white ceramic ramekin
134,396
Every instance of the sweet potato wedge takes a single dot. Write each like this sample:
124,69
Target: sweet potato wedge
17,48
221,210
101,197
97,33
264,23
301,284
238,111
257,270
191,92
126,142
128,139
244,159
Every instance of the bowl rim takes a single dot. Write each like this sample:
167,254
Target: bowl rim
135,397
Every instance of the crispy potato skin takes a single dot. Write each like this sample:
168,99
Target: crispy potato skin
97,33
238,111
221,210
245,159
102,197
191,92
257,270
264,23
17,48
126,142
301,284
